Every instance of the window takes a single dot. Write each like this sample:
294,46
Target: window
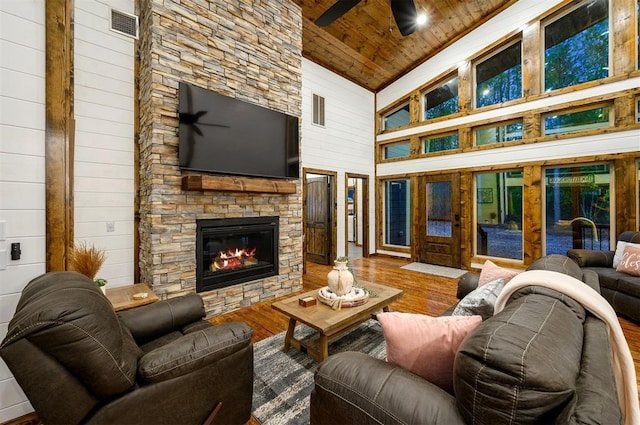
318,110
576,46
577,206
438,211
397,212
441,100
638,192
505,132
396,150
499,214
499,78
440,143
569,122
396,118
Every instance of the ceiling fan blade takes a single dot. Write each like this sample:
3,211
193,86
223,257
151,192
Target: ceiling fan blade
338,9
404,12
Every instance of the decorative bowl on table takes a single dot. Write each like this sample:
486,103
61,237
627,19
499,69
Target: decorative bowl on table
354,298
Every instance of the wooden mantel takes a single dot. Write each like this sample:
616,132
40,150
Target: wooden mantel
238,184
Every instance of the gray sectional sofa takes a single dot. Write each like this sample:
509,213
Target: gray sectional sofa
354,388
620,289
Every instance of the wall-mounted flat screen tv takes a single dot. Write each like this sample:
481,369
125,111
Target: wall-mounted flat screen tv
222,135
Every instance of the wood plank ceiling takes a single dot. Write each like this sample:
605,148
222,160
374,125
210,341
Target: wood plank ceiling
365,46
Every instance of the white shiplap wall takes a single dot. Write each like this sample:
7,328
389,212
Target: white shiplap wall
346,143
104,160
22,200
104,187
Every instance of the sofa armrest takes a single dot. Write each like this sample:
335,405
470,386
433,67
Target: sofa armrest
467,283
154,320
354,388
194,351
591,258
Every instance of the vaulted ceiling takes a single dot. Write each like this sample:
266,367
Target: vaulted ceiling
365,46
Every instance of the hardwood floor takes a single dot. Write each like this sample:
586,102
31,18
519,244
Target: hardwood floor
423,293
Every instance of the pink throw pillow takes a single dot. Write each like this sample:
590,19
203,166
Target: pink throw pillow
424,345
630,262
490,272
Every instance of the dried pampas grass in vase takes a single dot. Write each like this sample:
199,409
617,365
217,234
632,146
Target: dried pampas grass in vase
87,259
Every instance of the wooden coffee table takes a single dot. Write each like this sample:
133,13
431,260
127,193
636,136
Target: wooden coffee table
330,323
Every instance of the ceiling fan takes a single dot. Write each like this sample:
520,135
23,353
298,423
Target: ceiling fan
404,13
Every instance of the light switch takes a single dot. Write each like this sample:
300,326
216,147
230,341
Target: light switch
3,230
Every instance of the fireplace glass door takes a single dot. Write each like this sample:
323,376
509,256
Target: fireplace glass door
232,251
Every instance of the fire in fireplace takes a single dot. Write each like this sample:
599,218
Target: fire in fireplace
235,250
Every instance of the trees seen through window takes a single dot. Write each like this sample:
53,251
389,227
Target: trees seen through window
576,46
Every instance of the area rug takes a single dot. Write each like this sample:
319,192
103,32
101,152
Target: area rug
283,381
433,269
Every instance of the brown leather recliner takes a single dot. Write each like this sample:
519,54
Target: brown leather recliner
80,362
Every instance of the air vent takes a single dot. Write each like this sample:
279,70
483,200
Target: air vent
124,23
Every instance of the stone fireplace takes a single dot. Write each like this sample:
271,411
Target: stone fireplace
244,49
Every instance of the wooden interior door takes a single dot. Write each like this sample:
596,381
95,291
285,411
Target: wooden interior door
318,229
439,220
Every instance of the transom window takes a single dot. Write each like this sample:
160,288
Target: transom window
396,118
440,143
396,150
576,46
498,133
581,120
499,77
441,100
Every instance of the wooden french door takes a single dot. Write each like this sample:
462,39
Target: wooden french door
318,218
439,220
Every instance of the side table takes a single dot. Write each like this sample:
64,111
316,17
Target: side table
122,296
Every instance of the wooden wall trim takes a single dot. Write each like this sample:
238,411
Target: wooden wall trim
59,132
136,154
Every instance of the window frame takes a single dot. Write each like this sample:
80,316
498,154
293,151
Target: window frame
389,144
543,197
553,19
392,111
450,76
476,224
439,136
474,132
493,52
318,108
383,239
567,111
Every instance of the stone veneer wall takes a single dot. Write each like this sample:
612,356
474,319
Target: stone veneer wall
248,49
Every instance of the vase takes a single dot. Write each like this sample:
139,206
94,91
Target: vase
340,279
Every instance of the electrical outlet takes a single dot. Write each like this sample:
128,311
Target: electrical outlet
111,226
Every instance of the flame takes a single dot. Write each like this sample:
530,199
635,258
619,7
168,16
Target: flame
233,258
